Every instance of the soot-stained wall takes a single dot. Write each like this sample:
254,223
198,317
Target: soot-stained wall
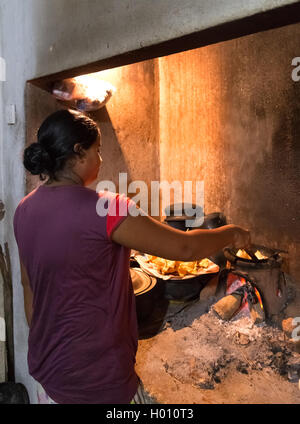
229,115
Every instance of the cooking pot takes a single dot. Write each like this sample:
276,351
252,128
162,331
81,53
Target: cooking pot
176,215
144,287
187,289
211,220
215,220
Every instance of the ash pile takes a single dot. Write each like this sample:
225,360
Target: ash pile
212,348
224,334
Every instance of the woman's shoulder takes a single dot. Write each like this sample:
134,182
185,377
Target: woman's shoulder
23,202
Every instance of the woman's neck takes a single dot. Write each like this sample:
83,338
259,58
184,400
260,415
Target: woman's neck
64,180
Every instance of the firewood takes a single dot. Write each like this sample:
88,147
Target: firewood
257,313
227,306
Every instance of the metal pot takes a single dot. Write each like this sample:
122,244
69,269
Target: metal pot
212,220
176,216
187,289
177,222
215,220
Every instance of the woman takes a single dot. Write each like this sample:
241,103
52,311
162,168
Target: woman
78,297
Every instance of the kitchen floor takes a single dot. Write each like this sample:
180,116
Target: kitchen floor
191,356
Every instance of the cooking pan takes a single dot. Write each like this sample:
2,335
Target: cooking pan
144,287
272,254
175,287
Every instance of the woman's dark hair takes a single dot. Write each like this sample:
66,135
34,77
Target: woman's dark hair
56,139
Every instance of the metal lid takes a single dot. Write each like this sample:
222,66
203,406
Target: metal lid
181,209
141,281
178,218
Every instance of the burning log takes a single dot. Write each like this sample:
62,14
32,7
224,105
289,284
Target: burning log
227,306
266,275
256,309
250,301
257,313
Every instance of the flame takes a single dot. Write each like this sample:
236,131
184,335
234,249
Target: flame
243,280
259,298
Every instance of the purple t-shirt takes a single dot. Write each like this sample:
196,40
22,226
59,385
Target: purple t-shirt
83,335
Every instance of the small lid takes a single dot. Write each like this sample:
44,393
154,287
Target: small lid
141,281
215,215
178,218
181,209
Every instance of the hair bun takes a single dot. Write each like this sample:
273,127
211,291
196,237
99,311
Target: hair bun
36,159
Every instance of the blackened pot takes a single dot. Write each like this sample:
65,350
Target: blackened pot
213,220
187,289
176,215
177,222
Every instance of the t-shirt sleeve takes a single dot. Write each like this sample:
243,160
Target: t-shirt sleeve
117,207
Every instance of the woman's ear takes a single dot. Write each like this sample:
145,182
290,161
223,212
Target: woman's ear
79,150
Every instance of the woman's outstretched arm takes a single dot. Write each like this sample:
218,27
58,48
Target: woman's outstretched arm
145,234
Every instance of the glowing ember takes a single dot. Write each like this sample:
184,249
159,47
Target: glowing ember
234,283
243,281
259,298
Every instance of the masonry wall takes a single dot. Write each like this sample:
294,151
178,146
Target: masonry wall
229,115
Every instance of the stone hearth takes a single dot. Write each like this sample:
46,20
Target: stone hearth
195,357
